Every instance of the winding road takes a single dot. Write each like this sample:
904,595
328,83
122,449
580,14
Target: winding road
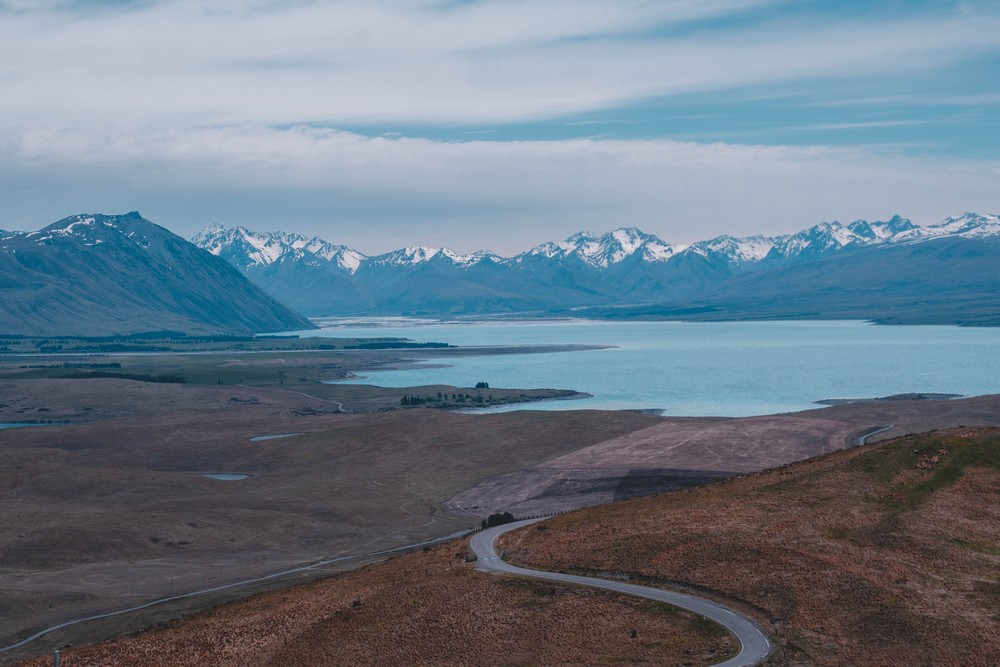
754,644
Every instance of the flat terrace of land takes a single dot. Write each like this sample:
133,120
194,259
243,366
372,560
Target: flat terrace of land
678,453
309,366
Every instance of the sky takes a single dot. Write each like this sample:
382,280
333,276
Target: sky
498,124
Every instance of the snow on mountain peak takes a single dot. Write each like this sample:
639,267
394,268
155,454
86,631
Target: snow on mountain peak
745,250
968,225
607,249
411,255
580,237
831,236
247,248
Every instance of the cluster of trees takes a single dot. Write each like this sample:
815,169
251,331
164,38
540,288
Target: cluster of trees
443,398
497,519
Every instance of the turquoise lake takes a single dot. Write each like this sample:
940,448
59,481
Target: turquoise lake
717,368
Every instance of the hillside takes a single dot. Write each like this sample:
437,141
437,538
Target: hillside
100,275
426,608
882,555
951,279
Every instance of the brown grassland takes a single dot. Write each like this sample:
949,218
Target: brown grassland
426,608
887,554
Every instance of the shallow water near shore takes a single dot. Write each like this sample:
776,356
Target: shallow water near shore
703,368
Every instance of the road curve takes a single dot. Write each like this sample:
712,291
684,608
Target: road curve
754,644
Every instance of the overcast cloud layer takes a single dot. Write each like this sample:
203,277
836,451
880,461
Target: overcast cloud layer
497,124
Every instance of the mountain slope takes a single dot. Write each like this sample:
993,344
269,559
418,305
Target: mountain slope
946,279
121,274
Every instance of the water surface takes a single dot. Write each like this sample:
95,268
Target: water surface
261,438
706,368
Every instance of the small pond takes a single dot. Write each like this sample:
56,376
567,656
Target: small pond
261,438
225,476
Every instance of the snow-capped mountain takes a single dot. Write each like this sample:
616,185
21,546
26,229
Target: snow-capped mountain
735,251
118,274
246,249
829,237
608,249
967,225
90,230
625,265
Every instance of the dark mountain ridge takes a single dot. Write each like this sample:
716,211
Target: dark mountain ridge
94,275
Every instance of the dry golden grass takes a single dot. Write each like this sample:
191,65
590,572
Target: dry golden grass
877,556
427,608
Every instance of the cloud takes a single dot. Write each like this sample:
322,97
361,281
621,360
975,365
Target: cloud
379,193
229,111
435,62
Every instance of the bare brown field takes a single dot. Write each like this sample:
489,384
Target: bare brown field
678,453
109,512
426,608
886,554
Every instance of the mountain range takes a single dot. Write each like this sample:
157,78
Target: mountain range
102,275
889,270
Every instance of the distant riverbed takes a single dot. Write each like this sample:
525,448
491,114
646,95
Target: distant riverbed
701,368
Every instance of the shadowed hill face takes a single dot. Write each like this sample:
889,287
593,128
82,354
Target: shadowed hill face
883,555
121,274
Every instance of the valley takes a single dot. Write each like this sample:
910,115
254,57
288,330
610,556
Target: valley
499,333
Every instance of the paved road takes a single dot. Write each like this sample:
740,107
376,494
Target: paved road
755,646
863,438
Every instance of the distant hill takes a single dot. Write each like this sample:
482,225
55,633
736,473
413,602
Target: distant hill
98,275
889,271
